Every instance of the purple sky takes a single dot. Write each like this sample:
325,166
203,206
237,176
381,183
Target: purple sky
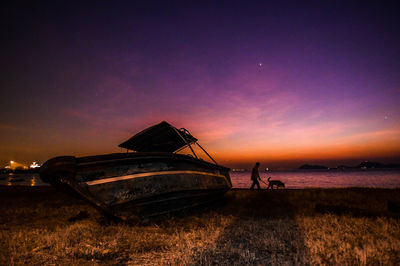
281,83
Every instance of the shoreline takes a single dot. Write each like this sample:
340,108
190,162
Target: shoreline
292,180
49,187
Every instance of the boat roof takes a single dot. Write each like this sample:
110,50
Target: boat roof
162,137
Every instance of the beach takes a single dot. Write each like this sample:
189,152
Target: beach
39,225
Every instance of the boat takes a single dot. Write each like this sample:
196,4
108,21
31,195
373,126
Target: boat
152,177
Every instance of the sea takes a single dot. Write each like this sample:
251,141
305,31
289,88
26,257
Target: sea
296,179
373,178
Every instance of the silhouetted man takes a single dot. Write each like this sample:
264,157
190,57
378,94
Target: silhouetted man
255,176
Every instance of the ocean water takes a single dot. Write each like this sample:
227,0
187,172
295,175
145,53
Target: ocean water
13,179
386,178
292,179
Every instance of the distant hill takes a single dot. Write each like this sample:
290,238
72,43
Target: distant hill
363,165
342,167
371,165
309,166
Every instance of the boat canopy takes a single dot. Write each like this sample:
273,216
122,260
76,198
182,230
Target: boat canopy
162,137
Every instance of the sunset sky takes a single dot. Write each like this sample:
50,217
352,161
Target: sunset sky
283,83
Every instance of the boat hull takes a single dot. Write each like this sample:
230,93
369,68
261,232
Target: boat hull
138,184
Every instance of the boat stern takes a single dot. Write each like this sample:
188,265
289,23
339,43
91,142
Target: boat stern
56,170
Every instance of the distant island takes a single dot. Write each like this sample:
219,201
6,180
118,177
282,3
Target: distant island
363,165
309,166
370,165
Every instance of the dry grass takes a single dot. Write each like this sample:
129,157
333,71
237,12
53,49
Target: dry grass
284,227
332,239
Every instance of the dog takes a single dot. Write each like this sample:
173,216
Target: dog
277,183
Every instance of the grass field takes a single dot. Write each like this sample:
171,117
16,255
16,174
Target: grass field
310,226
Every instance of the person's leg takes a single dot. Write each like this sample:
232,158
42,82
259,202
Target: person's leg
252,185
258,185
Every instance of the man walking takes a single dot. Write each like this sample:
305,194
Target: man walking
255,176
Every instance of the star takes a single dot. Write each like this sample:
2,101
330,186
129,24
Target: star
260,64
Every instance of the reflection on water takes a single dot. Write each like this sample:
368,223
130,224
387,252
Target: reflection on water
30,179
292,179
10,177
324,178
33,181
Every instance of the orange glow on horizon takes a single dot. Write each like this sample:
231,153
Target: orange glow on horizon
373,148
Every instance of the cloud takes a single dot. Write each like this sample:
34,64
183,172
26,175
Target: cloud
250,111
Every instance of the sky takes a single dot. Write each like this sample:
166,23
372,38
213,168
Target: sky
280,82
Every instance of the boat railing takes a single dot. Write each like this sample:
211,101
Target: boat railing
183,132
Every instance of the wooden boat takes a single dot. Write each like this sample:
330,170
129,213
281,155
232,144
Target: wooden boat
153,179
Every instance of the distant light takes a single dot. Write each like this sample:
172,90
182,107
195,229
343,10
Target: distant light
34,165
260,64
11,162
